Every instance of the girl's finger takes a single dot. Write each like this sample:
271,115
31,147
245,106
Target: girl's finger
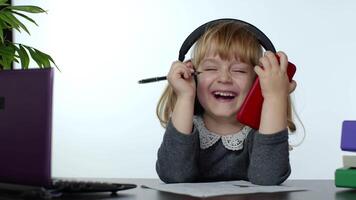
178,70
292,86
190,66
176,63
283,60
272,60
188,63
174,66
264,62
258,70
187,74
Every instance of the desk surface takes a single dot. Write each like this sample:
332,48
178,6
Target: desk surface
317,189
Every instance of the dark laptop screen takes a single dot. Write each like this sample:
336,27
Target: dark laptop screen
25,126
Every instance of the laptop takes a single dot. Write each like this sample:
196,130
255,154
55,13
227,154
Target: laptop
26,133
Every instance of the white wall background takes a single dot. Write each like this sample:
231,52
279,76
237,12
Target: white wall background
104,122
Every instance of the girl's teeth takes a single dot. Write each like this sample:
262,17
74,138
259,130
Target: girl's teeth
224,94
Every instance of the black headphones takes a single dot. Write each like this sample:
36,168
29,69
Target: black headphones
197,33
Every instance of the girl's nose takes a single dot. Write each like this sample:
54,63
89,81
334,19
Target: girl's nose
225,76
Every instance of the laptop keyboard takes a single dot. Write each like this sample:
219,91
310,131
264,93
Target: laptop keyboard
60,187
74,186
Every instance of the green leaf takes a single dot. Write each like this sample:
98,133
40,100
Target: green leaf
6,52
51,59
9,21
25,60
44,58
2,65
24,16
1,33
28,8
4,25
3,2
6,66
15,60
15,20
9,57
34,56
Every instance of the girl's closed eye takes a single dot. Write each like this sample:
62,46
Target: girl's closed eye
243,71
210,68
240,68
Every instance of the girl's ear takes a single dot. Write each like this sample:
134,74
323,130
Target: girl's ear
189,64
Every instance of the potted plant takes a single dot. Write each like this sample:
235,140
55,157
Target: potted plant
10,52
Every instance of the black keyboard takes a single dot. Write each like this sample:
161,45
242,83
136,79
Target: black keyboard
60,187
71,186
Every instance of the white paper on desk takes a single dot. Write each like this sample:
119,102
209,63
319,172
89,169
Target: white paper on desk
211,189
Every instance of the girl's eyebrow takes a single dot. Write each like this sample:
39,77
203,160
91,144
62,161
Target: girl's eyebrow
210,60
240,65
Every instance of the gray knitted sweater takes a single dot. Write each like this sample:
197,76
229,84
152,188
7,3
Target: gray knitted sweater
263,159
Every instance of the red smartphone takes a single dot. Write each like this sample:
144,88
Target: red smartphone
250,111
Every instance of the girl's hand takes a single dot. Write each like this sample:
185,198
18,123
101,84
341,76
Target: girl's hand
181,79
275,88
273,76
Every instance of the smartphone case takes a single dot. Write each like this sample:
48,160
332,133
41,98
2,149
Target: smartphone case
250,111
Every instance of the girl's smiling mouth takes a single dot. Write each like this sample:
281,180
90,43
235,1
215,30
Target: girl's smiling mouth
224,96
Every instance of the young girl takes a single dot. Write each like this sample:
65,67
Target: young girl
203,140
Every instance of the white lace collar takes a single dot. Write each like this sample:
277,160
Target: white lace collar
207,138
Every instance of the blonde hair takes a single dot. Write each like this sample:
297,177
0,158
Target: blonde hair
230,40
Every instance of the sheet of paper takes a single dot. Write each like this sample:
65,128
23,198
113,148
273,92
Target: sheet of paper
211,189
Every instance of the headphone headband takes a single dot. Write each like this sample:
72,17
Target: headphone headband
197,33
